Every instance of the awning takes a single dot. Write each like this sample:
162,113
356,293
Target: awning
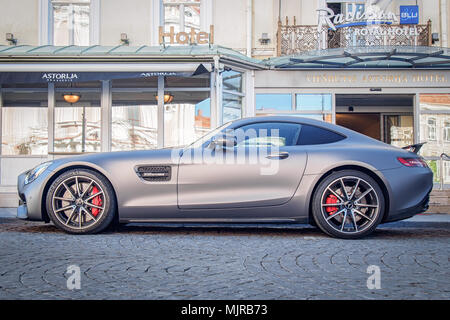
377,57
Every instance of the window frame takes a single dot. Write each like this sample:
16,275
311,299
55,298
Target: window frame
295,140
181,4
46,22
431,128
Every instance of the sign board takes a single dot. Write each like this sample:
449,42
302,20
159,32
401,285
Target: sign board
409,14
182,37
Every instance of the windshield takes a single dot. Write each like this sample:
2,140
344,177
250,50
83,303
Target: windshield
208,136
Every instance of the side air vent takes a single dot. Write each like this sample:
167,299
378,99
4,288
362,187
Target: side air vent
154,173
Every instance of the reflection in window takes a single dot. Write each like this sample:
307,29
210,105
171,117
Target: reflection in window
434,124
134,127
447,131
182,15
231,107
187,118
268,134
24,131
313,102
231,95
77,129
71,22
431,123
273,102
24,123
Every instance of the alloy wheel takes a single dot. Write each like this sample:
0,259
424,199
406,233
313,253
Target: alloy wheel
78,202
350,204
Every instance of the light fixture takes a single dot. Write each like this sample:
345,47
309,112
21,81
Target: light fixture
71,97
10,38
264,38
168,98
124,39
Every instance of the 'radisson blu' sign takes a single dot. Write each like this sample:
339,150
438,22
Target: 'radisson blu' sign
371,15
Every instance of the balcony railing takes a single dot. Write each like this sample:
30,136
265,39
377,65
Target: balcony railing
294,39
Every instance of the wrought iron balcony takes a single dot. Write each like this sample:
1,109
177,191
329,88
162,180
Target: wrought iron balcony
295,39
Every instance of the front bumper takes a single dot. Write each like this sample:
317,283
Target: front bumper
30,203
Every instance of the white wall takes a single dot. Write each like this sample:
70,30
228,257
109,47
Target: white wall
133,17
19,17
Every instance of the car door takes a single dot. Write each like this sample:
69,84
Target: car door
263,168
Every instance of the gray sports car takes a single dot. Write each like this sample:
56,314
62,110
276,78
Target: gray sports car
253,170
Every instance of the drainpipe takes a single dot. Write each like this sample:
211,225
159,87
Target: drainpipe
443,18
249,27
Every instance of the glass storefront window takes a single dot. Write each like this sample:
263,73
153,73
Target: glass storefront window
24,123
313,102
134,121
267,102
71,22
182,15
187,118
231,107
435,130
232,96
78,125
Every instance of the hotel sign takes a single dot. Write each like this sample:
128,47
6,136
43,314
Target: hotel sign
377,78
409,14
182,37
370,16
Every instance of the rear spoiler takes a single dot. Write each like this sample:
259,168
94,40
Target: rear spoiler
414,147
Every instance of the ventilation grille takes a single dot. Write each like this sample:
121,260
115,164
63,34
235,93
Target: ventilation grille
154,173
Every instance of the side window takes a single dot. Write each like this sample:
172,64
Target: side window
310,135
268,134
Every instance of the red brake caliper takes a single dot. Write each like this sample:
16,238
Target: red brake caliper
96,201
331,199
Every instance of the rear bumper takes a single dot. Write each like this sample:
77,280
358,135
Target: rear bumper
409,212
409,192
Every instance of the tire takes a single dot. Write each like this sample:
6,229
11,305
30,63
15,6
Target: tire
350,215
88,209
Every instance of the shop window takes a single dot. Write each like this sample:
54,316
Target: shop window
134,121
181,15
232,95
273,102
434,123
71,21
186,118
78,125
24,124
313,102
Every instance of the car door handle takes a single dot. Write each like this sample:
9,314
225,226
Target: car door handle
281,155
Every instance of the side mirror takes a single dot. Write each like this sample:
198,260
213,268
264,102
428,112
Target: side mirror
224,141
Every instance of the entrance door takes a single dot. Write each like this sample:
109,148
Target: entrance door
385,117
365,123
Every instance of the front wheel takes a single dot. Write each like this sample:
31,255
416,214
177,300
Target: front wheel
348,204
81,201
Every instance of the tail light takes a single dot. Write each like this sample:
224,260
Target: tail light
413,162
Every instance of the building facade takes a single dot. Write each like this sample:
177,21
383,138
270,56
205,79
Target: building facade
160,73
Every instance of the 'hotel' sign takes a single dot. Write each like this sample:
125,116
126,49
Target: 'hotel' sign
187,38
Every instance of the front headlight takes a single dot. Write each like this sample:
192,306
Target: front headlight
36,172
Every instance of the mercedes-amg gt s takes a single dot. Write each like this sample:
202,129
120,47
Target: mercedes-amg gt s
253,170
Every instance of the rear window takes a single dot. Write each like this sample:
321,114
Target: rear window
310,135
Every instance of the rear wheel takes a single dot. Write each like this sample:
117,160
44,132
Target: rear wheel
81,201
348,204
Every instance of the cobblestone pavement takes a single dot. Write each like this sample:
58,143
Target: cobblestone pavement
162,262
